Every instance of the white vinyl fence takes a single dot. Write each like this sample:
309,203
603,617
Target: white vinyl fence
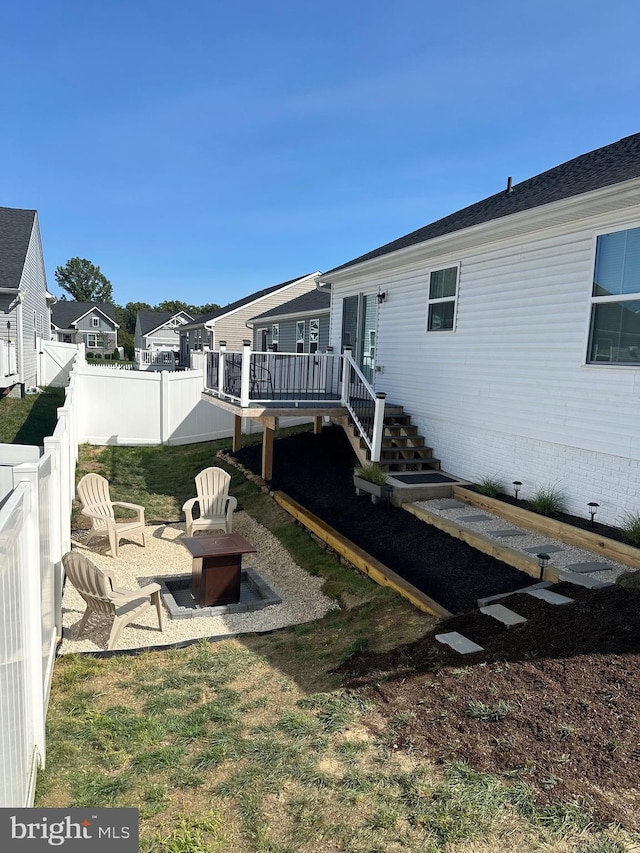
35,531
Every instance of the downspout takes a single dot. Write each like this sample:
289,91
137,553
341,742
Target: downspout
20,340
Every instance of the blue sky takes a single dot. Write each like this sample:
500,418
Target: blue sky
203,150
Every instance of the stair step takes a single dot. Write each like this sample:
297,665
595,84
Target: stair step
400,430
403,441
406,453
410,465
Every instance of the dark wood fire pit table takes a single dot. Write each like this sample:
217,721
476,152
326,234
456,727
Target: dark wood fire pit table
216,567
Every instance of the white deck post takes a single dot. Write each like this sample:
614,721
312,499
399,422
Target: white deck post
378,427
346,358
244,377
221,360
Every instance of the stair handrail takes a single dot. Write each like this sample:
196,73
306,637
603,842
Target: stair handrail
364,404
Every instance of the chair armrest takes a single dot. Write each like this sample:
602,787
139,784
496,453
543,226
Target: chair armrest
125,596
187,507
232,504
139,510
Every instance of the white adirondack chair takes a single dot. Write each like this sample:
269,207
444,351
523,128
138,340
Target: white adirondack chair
215,503
96,587
93,493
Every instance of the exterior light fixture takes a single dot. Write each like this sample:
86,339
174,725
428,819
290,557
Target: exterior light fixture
382,296
543,560
593,509
517,485
8,331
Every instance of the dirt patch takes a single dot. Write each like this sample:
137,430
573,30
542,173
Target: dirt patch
554,702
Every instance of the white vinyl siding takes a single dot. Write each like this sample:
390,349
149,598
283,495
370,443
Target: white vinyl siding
509,393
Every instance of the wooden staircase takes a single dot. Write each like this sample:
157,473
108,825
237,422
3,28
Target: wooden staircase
402,448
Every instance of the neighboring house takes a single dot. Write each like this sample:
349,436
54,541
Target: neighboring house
160,329
300,325
510,331
24,299
229,324
90,323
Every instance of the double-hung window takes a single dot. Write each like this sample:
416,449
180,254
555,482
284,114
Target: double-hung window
443,294
615,300
92,341
95,322
300,324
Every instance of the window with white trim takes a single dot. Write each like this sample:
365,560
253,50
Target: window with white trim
95,322
443,295
275,336
314,335
300,329
92,341
614,336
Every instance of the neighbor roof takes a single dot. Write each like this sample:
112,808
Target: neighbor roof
15,233
612,164
314,300
246,300
152,320
65,313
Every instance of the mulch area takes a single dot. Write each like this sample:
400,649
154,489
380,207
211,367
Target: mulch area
553,703
317,470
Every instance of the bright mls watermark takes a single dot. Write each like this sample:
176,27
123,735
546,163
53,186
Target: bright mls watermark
69,829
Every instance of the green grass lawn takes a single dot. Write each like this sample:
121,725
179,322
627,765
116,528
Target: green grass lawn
252,745
30,419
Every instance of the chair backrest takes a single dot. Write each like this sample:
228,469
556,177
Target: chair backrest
95,585
212,486
93,491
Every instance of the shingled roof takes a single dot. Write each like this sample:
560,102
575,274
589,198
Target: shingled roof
314,300
612,164
152,320
65,313
15,233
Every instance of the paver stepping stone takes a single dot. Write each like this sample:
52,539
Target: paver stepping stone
458,642
490,598
503,614
588,567
583,580
549,596
545,548
507,532
450,503
474,518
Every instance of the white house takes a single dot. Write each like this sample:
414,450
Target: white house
25,302
157,338
510,331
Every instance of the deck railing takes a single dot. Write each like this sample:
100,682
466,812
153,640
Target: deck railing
297,380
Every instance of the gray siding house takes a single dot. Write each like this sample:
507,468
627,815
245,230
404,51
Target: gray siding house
90,323
300,325
25,302
160,329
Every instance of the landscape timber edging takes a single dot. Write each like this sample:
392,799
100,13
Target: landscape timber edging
489,546
610,549
353,554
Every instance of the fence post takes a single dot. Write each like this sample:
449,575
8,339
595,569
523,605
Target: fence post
27,473
346,364
59,528
244,376
378,427
165,405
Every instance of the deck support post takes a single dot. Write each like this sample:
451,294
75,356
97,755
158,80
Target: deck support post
269,426
237,433
317,425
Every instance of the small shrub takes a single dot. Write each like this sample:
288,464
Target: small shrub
630,527
371,472
548,501
490,486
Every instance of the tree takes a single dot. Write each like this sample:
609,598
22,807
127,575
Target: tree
84,281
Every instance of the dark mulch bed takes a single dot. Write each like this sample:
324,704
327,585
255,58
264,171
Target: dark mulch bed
317,470
553,703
